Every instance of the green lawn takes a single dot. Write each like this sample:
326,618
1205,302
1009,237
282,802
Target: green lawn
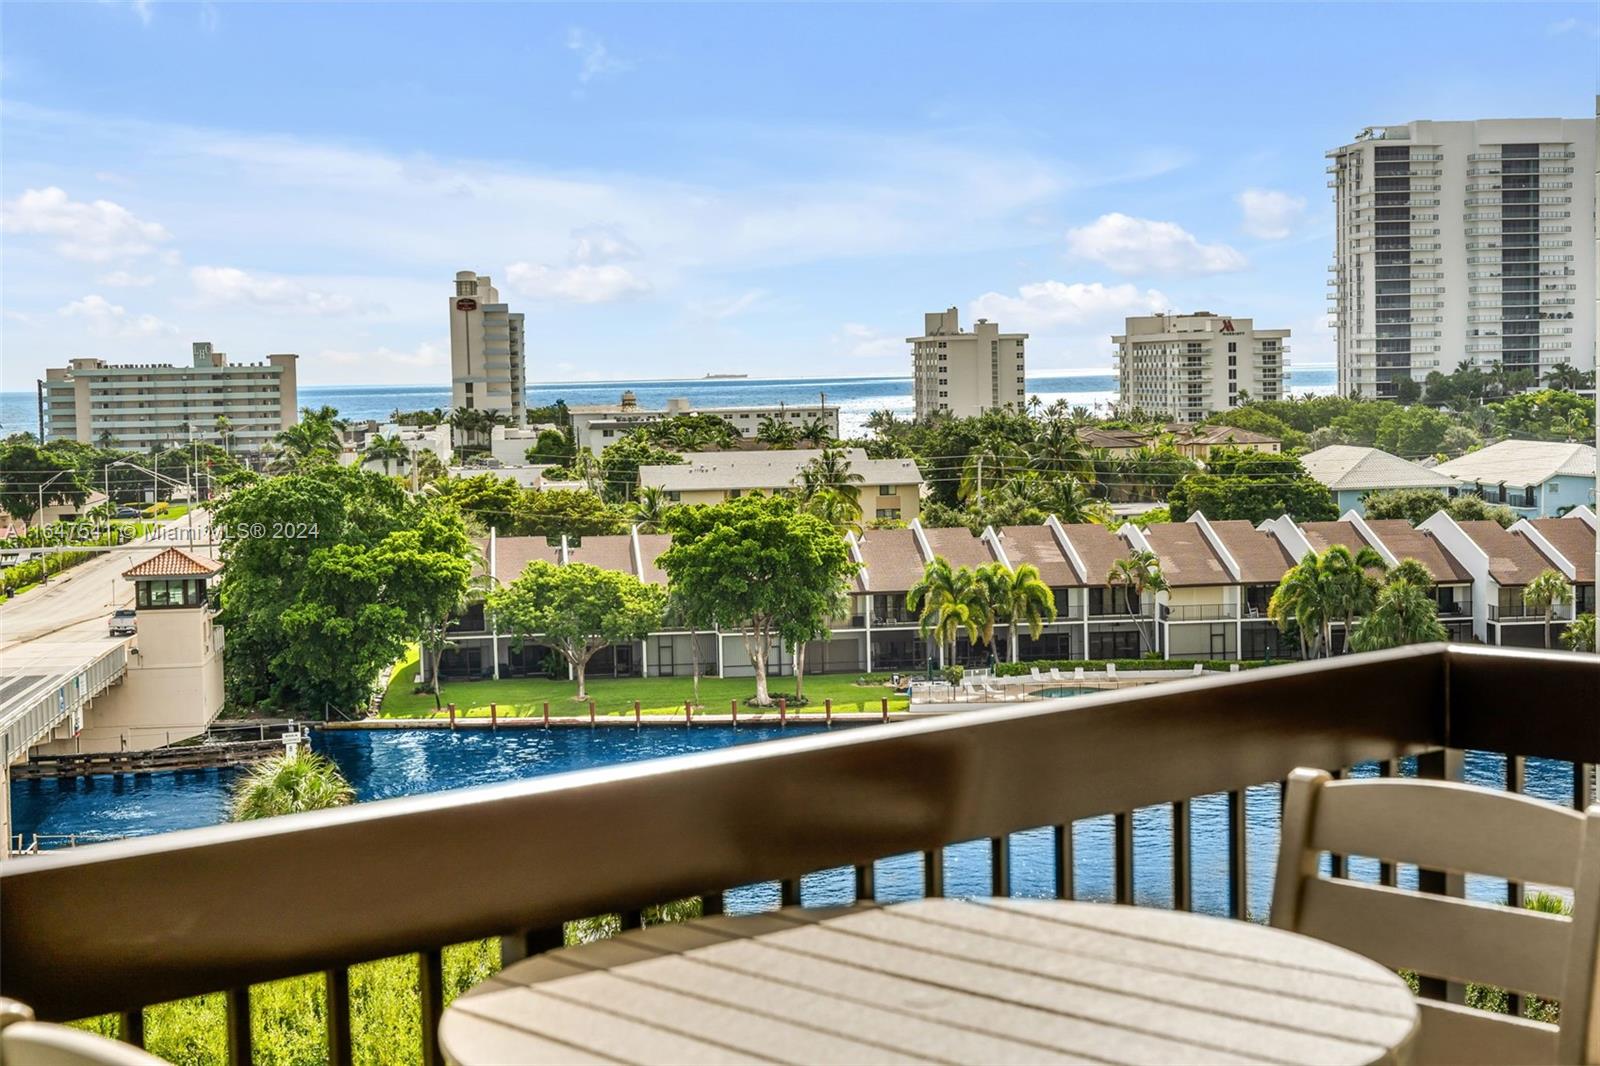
656,695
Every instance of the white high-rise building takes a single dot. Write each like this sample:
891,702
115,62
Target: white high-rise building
1462,241
1190,366
488,370
965,374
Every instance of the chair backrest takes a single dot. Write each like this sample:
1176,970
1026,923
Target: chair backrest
1035,672
1458,829
42,1044
1077,673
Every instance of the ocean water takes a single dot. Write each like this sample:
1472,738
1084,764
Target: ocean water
382,764
855,397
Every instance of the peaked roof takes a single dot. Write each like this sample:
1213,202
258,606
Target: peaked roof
1406,542
1262,558
1346,467
1574,539
1513,558
173,563
1187,558
1521,462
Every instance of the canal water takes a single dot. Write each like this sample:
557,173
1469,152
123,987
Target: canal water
382,764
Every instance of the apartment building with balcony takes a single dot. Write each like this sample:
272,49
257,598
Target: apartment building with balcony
596,425
889,489
1220,578
1191,366
1462,241
488,351
141,406
962,373
1532,477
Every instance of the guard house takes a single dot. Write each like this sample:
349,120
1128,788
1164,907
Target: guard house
173,686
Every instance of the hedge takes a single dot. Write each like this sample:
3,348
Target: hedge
1091,666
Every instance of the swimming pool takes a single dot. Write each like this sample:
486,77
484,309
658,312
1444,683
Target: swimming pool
382,764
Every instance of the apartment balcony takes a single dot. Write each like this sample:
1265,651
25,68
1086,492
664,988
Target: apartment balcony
1521,612
1199,612
114,927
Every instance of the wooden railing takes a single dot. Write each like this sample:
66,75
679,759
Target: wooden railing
122,925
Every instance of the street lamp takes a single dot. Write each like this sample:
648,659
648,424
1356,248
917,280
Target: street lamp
44,560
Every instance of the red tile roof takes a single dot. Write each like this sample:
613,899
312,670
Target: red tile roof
173,563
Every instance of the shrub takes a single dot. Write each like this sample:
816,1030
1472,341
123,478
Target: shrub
953,674
1099,665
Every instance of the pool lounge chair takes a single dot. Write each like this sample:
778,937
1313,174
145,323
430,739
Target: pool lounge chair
997,693
1037,676
1055,674
1077,673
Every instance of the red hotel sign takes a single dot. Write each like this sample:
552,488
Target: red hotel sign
1227,325
466,305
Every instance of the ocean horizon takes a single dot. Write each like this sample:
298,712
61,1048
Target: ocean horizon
856,398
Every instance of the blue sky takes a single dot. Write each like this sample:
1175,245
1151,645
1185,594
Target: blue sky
666,191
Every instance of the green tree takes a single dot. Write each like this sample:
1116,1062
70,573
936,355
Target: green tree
1303,604
434,639
329,573
1351,588
1580,634
948,601
1547,591
1568,377
290,784
1136,575
813,432
1402,612
756,564
1417,505
1258,420
1252,486
386,450
577,609
488,501
692,433
566,512
27,469
1413,431
777,432
312,441
648,510
1021,599
620,463
1549,414
551,446
827,487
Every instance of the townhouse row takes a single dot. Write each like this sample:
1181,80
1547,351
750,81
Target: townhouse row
1220,577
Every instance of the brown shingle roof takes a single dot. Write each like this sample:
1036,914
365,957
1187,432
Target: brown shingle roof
1036,545
1407,543
651,548
1187,559
1098,547
1573,538
1513,560
609,552
1324,535
892,560
513,554
1261,556
958,547
173,563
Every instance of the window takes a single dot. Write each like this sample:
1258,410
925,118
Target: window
1233,346
888,512
886,490
674,496
942,394
1233,360
1527,497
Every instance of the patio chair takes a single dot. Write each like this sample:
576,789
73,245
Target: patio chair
997,693
25,1041
1199,669
1442,825
1055,674
1077,673
1034,672
1111,671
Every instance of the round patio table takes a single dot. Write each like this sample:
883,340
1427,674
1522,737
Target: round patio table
993,980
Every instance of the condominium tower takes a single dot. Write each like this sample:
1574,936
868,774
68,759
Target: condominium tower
965,374
157,405
487,359
1462,241
1190,366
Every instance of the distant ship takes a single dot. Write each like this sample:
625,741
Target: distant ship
721,377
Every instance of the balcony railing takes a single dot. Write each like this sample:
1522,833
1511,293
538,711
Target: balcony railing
1198,612
1521,612
117,926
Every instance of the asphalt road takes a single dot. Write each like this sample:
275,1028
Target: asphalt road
77,604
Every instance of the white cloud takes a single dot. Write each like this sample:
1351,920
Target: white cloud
106,319
122,279
1269,214
582,283
426,354
1044,305
865,342
230,285
96,232
1140,245
595,60
601,244
731,307
1573,25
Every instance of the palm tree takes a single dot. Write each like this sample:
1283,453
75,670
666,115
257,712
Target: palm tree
648,509
1019,598
814,431
827,486
991,463
1568,377
1403,613
947,601
1579,636
1544,593
884,423
311,440
777,432
435,639
1352,589
1137,574
1074,504
1056,451
1302,601
386,450
224,427
289,784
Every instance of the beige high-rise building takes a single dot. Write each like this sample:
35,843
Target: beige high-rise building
965,374
158,405
1462,241
488,361
1190,366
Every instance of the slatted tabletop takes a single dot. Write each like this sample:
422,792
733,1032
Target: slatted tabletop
992,981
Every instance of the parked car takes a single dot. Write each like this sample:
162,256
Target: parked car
129,512
124,622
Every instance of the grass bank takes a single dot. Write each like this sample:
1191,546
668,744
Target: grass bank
526,697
